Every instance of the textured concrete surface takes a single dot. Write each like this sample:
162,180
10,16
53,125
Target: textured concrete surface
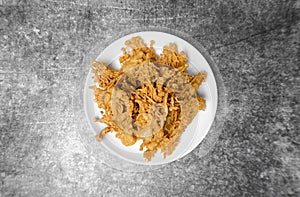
255,45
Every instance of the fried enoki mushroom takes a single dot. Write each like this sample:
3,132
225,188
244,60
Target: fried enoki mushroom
171,57
147,99
143,98
140,53
104,76
140,104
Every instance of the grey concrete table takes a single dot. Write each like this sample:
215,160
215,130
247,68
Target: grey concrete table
255,45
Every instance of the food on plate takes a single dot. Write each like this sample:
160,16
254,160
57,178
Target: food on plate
151,98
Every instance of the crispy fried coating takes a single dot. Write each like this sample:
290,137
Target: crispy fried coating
147,102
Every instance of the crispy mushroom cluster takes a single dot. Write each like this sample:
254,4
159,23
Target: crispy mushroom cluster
151,98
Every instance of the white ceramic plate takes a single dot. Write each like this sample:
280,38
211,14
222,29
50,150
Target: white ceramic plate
197,129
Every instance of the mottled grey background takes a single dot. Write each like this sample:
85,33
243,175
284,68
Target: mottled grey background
255,44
